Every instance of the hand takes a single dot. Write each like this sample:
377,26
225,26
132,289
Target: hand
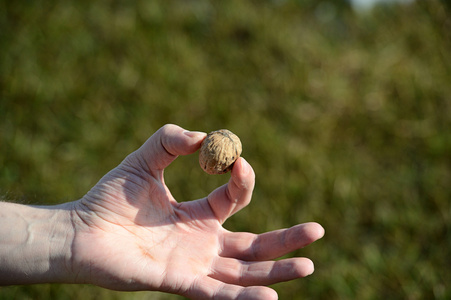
131,234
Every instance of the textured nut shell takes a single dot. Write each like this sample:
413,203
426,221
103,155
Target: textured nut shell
219,150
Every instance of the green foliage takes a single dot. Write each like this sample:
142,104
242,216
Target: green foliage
345,118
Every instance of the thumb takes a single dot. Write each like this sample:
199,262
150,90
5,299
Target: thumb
163,147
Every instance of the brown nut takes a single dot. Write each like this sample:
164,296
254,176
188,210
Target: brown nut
219,151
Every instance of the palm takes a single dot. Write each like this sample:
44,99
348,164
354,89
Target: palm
134,235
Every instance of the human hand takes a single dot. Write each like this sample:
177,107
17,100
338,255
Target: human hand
131,234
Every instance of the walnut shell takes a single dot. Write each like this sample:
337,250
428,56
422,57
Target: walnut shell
219,151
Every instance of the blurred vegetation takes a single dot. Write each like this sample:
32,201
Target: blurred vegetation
345,117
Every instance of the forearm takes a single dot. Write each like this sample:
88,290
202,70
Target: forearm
35,244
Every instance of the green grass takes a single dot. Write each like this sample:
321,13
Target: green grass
346,119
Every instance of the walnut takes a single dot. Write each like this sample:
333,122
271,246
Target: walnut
219,151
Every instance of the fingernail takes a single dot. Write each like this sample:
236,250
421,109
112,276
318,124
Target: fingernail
193,134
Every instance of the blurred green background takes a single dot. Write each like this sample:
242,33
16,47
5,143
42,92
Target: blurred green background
344,115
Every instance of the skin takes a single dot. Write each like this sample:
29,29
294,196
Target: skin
129,233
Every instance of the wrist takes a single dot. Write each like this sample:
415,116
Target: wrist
36,244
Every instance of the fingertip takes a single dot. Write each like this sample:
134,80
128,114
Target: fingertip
257,293
298,267
242,168
178,141
243,176
195,139
241,165
197,135
308,268
316,230
167,143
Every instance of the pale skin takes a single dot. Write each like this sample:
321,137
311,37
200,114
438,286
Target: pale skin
129,233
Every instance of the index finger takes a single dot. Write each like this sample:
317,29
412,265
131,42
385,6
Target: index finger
236,194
